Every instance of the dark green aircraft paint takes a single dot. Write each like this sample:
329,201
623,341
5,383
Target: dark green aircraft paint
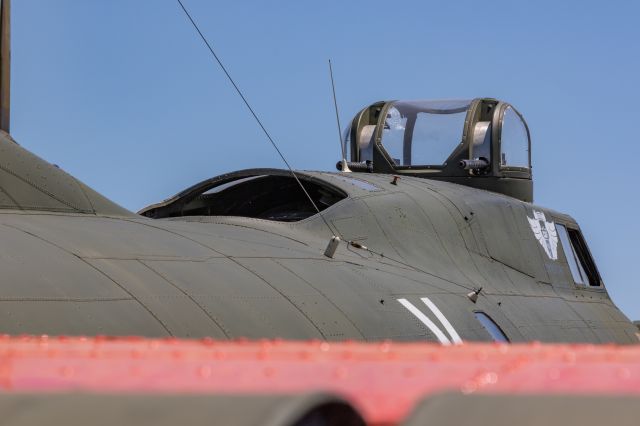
127,409
525,410
451,251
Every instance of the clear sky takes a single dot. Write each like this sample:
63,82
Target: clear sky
123,95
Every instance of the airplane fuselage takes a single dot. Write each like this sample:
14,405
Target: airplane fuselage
419,247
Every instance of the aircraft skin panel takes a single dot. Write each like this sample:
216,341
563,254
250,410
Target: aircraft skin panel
240,301
171,409
435,202
348,294
56,317
20,194
414,239
95,237
602,318
555,322
248,241
349,291
179,314
232,277
36,269
525,284
313,303
31,183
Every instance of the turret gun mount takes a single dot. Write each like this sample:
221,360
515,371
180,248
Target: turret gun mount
483,143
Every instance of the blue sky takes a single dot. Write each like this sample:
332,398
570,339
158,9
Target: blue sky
123,95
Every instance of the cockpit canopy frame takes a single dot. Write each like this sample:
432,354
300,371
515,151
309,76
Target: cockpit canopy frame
492,131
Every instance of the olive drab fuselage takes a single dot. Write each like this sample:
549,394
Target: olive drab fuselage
75,263
436,241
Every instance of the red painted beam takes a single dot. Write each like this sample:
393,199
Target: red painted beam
382,380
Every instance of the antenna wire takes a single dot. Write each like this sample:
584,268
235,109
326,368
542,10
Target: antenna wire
264,130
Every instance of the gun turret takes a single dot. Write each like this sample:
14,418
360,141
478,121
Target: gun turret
364,167
477,164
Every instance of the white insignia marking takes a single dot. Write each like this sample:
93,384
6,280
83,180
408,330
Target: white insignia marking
443,320
430,324
426,321
545,233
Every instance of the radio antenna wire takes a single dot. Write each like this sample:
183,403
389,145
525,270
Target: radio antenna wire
255,116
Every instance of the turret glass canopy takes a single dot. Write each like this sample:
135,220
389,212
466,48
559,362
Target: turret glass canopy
482,143
423,132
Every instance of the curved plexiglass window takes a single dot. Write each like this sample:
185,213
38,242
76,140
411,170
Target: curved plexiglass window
514,141
423,132
492,328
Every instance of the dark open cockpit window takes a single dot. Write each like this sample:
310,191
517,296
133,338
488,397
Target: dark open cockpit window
269,197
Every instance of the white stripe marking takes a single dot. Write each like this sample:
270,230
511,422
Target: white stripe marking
426,321
445,322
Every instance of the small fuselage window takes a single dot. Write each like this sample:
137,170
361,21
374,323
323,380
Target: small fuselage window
492,328
581,264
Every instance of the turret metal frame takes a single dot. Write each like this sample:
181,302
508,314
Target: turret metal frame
512,181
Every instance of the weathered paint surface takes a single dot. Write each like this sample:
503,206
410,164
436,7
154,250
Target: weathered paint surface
74,263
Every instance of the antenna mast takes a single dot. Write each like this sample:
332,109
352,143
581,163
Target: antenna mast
345,166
